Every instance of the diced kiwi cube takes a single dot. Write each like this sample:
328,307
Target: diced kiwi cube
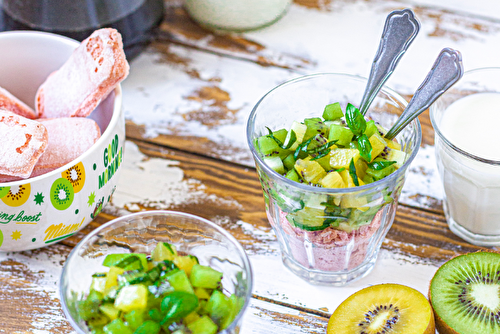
204,325
218,307
185,263
88,309
163,251
109,310
361,167
393,144
275,164
348,181
292,175
117,327
235,305
314,127
309,171
289,161
179,280
148,327
126,261
205,277
332,180
300,130
134,318
342,135
341,157
202,293
380,174
112,277
332,112
98,284
396,155
191,317
132,297
266,145
378,144
371,128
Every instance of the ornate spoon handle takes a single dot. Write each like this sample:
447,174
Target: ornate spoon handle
400,30
445,72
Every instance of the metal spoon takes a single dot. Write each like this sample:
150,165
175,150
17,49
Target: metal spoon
400,30
445,72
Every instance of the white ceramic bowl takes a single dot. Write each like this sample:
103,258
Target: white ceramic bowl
30,215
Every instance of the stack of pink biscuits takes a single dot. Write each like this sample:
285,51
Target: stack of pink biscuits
57,132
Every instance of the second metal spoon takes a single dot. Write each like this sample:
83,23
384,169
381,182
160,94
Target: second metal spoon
447,70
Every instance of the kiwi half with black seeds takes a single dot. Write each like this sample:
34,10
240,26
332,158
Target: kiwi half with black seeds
465,294
383,309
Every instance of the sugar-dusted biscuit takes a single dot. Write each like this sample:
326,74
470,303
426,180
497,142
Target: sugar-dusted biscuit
93,70
11,103
69,138
23,142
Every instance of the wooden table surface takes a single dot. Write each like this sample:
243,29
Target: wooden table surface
187,100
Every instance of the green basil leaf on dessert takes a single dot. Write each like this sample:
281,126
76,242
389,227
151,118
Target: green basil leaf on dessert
355,121
365,148
379,165
352,172
302,148
322,150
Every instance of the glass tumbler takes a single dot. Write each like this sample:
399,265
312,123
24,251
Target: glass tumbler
357,218
139,233
470,169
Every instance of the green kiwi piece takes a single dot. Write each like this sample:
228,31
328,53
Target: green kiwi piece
61,194
465,294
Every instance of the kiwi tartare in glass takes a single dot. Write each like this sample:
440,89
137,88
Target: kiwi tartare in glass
331,180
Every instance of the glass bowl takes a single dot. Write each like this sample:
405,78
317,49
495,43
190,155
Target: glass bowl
358,218
139,233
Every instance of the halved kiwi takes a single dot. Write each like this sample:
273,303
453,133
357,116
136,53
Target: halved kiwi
76,176
383,309
465,294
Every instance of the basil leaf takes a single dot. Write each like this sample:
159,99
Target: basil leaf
340,170
365,148
355,121
293,138
379,165
352,172
322,150
302,148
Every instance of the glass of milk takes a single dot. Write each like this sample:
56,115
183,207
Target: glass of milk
236,15
466,120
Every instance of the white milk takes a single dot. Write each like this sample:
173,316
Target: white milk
472,187
236,14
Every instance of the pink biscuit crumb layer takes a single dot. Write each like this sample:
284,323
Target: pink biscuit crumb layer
329,249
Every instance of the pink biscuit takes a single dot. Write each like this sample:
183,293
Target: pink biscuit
88,76
23,142
332,250
68,139
11,103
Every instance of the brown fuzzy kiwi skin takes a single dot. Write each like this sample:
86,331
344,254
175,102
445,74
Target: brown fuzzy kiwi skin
431,329
441,326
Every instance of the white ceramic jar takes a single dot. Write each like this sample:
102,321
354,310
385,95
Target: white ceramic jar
236,15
